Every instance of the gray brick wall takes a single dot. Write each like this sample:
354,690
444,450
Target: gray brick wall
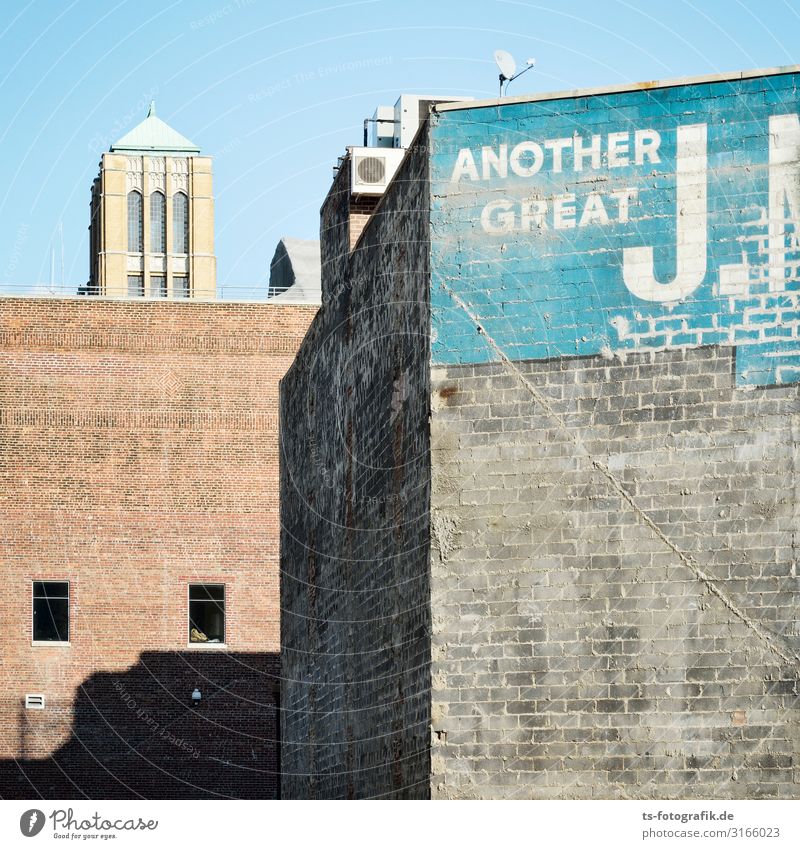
614,580
355,473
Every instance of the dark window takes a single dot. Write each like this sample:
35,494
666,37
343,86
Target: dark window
51,611
135,222
180,285
158,223
135,286
180,223
158,286
206,613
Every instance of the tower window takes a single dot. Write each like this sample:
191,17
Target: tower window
158,223
206,613
135,223
180,286
180,223
158,286
135,286
51,611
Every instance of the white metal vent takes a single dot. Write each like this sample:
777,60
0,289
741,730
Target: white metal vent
373,168
34,701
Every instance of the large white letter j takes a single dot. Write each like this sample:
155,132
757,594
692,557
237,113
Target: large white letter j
690,227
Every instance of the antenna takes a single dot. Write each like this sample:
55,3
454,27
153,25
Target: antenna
61,235
508,68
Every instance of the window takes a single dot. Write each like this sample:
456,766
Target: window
135,223
135,286
206,613
51,611
180,223
158,223
158,286
180,285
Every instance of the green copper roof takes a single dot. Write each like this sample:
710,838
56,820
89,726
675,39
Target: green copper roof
154,135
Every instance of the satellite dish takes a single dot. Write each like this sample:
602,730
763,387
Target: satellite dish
508,68
505,61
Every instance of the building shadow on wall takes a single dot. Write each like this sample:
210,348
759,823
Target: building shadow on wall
138,733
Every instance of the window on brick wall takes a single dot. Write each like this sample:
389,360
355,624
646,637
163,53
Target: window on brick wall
206,613
51,611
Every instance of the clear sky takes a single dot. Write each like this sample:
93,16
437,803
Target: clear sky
275,91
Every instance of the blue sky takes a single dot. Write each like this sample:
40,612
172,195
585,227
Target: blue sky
275,91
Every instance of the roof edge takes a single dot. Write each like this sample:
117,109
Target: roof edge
188,151
618,89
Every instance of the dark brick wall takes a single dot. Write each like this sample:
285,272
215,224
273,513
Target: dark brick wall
355,630
138,452
614,580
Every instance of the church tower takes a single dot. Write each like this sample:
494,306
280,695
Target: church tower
152,217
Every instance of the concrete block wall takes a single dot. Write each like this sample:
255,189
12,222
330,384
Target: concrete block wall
139,452
355,595
614,580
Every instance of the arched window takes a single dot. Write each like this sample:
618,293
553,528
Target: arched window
135,222
180,223
158,223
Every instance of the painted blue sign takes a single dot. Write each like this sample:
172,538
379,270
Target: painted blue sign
645,220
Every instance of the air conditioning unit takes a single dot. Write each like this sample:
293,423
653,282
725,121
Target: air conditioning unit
34,701
372,169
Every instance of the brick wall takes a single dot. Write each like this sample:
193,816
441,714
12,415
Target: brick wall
138,452
361,210
614,580
354,512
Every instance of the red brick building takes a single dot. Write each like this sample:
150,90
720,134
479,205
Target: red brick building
139,546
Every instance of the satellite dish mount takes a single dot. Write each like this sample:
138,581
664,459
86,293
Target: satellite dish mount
508,68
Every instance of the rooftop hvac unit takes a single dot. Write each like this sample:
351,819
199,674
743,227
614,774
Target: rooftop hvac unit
381,127
372,169
411,110
34,701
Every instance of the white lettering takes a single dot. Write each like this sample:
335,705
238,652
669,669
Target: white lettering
557,146
784,189
504,221
690,227
564,212
498,161
561,212
594,212
465,166
519,151
646,144
527,157
618,150
532,211
623,198
581,152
